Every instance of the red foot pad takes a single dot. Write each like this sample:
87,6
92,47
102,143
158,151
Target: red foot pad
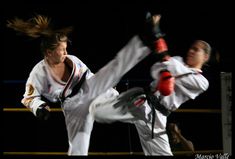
160,45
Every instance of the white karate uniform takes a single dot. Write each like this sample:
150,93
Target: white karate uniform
188,86
78,119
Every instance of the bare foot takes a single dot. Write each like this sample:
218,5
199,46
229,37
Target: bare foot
156,18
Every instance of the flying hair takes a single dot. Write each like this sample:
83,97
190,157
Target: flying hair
38,26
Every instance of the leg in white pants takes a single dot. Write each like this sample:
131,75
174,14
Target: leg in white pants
110,75
158,146
76,109
103,111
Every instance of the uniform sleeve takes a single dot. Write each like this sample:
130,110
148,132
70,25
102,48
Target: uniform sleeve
191,83
175,65
33,90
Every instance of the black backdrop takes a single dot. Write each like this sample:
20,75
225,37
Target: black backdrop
101,28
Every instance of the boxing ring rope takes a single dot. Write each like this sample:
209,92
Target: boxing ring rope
178,110
177,153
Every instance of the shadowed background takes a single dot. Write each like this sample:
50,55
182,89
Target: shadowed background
101,29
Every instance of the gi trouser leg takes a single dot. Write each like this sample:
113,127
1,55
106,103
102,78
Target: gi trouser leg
78,120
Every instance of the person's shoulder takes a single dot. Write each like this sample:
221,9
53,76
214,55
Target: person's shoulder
39,67
74,58
178,58
77,61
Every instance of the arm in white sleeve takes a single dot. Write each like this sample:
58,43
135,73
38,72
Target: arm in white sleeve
189,80
32,95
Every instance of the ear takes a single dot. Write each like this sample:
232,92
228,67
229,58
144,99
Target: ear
48,52
206,58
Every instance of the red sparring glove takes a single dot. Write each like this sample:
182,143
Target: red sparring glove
166,84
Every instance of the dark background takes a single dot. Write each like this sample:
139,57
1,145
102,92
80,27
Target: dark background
101,29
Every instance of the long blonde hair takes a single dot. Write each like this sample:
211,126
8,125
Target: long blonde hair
39,27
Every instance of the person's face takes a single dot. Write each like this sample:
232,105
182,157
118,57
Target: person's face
58,55
196,56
